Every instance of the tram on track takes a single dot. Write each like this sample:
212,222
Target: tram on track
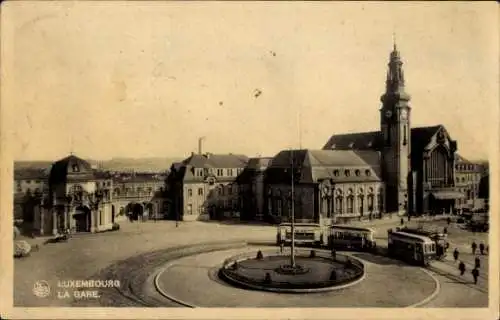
439,238
305,234
411,248
350,237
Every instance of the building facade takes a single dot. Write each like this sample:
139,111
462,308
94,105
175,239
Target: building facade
467,179
252,189
417,164
204,186
329,186
72,195
139,195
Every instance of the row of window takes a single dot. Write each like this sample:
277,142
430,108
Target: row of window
220,191
468,178
463,167
218,172
226,204
347,173
330,206
29,181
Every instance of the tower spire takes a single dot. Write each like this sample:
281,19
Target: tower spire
394,41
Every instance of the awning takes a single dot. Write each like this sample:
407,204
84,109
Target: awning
448,195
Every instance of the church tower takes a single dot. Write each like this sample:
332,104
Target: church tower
395,127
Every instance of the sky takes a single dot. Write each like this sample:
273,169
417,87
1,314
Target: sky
146,79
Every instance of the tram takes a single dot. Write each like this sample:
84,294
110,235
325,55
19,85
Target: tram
439,239
411,248
350,237
305,234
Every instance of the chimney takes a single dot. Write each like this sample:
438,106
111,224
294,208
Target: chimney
200,148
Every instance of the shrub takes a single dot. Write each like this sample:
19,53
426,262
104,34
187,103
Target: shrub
21,249
235,265
260,256
268,279
312,254
348,263
333,275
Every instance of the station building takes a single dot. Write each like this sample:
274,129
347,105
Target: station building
417,164
330,186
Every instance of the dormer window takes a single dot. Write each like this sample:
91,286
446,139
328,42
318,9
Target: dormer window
347,173
336,173
76,168
358,173
368,172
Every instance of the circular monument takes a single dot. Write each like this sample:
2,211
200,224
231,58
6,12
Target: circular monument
311,271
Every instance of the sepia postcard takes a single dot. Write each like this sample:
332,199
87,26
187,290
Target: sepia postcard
249,160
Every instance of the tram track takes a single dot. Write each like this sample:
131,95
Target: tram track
134,273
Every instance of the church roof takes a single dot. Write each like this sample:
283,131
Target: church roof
359,141
70,168
420,138
316,165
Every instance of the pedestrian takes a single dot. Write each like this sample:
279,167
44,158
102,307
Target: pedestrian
448,220
475,274
445,230
487,249
281,247
409,217
477,263
334,254
402,221
481,248
474,247
461,267
455,254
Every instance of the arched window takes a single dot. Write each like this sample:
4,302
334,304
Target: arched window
361,200
350,204
190,192
117,192
358,173
370,202
200,191
338,204
347,173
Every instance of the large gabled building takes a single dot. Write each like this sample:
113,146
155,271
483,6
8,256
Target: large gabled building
417,164
204,186
329,186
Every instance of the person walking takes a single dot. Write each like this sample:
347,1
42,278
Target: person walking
402,222
481,248
474,247
448,220
445,230
475,274
455,254
282,244
461,267
477,263
334,254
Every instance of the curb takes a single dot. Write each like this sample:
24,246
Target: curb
166,295
313,290
432,296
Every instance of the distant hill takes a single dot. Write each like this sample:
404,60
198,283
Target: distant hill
116,164
143,164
